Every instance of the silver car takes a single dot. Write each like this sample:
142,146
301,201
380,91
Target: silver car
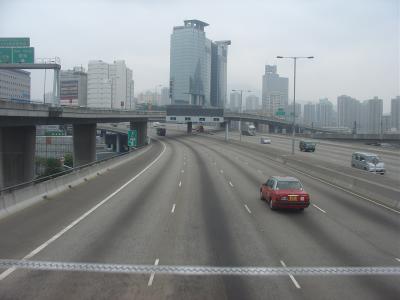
368,162
265,140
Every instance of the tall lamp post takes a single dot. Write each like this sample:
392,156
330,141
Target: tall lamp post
295,58
240,111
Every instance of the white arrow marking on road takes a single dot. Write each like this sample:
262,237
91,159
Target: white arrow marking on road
152,274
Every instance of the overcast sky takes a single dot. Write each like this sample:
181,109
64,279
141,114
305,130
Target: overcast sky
355,42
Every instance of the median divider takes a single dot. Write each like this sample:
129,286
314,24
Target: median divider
14,200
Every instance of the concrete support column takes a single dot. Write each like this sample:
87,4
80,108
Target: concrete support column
17,155
189,127
227,123
141,127
118,143
84,143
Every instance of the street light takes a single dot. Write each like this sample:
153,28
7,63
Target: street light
240,111
295,58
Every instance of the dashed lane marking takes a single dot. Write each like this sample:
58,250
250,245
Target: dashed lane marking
247,208
296,284
173,208
152,274
230,183
319,208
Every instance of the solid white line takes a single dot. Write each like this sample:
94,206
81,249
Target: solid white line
296,284
56,236
173,208
319,208
247,208
152,274
230,183
180,183
398,259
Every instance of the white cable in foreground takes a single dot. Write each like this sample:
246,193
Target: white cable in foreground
195,270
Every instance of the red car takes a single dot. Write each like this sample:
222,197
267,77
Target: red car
284,192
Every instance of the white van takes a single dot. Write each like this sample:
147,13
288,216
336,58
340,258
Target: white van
368,162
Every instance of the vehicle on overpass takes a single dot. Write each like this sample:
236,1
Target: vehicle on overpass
249,129
368,162
265,140
284,192
307,146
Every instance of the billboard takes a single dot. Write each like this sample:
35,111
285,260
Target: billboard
69,89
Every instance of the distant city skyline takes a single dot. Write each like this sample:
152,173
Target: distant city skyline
352,57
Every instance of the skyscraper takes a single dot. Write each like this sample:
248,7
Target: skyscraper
165,96
252,102
197,66
234,101
275,90
395,113
324,113
348,112
371,116
310,114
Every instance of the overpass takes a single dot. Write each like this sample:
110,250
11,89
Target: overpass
18,123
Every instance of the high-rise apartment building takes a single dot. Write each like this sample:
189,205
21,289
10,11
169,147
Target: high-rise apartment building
15,85
73,87
310,117
165,96
395,113
348,112
275,91
197,66
371,116
252,103
110,85
234,101
324,113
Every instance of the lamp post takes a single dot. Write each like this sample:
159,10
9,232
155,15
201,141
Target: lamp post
240,111
295,58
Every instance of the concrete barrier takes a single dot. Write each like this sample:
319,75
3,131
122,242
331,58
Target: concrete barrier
16,200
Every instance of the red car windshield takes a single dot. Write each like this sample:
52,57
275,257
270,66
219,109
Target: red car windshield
289,185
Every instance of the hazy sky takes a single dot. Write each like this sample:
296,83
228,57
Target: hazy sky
355,42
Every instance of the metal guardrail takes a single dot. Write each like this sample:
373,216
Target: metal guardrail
52,176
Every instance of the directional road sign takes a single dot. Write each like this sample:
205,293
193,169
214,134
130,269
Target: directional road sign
14,42
132,138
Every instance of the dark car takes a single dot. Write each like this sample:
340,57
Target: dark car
284,192
161,131
307,146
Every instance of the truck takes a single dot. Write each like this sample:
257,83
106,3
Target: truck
248,129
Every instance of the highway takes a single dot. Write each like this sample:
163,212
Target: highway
194,200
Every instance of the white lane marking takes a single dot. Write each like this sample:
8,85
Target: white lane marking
152,274
230,183
180,183
319,208
222,171
296,284
56,236
398,259
182,171
247,208
173,208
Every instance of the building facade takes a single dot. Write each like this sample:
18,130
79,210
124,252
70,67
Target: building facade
15,85
252,103
289,112
197,66
395,113
309,114
324,113
165,96
234,101
73,87
348,112
110,85
275,91
371,116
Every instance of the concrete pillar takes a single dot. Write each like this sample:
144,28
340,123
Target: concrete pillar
118,143
84,143
189,127
141,127
17,155
227,130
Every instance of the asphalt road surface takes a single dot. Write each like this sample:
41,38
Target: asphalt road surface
194,200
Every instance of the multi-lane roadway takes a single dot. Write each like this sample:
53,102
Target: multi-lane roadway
194,200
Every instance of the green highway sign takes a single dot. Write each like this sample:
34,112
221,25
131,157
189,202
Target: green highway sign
14,42
132,138
54,133
5,55
23,55
280,112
